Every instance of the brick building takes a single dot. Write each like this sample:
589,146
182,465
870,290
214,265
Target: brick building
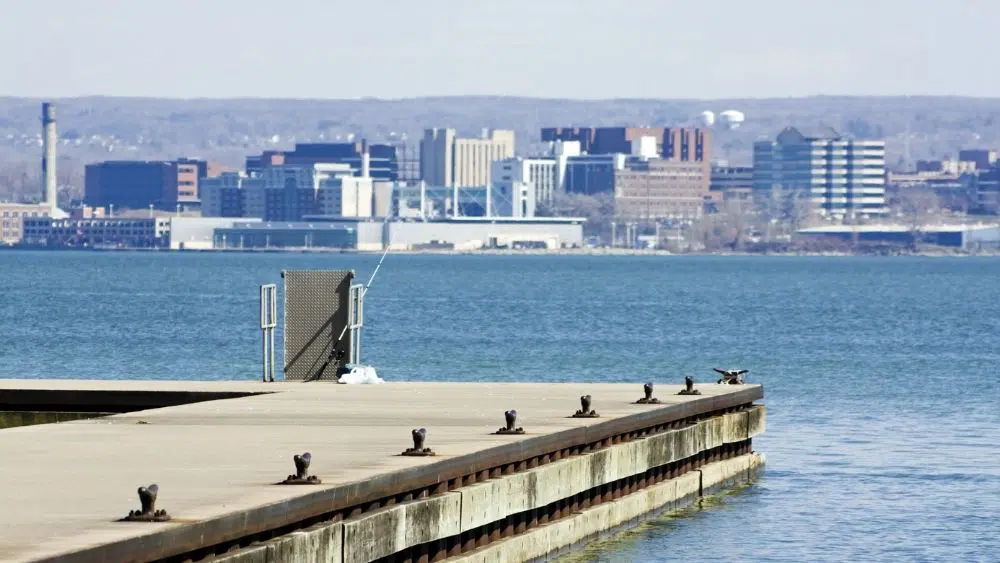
661,189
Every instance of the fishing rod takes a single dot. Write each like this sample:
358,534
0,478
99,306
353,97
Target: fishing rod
370,280
336,352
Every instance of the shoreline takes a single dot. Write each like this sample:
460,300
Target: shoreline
932,252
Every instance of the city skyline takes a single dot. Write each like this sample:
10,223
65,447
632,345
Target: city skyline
663,50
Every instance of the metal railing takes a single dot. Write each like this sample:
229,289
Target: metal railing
268,322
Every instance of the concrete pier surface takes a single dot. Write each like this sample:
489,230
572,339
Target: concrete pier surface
217,461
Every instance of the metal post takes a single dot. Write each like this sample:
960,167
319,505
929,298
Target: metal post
355,320
268,322
274,324
263,333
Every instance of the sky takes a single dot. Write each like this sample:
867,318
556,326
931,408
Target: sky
584,49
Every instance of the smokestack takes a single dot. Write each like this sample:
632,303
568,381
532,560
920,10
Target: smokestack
49,157
366,160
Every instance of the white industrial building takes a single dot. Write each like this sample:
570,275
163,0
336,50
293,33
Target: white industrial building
468,233
463,233
198,233
474,233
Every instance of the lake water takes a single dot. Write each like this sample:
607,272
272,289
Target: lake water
880,373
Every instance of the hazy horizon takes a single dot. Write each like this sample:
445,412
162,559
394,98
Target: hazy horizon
657,50
495,96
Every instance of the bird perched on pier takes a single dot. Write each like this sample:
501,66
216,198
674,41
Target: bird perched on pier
731,376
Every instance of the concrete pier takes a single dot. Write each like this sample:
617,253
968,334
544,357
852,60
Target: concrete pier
481,497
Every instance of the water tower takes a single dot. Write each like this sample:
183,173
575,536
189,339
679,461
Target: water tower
731,118
707,118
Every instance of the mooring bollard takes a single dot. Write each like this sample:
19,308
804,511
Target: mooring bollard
147,511
585,410
689,387
648,399
510,417
418,449
302,476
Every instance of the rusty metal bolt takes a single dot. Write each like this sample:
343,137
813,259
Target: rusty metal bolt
585,410
147,511
510,417
419,437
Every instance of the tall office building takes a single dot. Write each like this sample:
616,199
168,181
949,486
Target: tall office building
541,174
138,184
289,193
448,160
222,196
128,184
839,175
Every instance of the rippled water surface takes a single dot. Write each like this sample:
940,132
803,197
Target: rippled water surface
883,435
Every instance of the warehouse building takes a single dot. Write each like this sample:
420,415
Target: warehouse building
463,233
285,235
965,237
198,233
